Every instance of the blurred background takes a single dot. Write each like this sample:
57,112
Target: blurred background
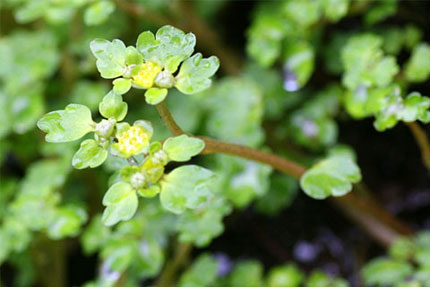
46,207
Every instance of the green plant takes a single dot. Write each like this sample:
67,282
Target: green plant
161,191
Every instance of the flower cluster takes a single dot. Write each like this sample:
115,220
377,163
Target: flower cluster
154,63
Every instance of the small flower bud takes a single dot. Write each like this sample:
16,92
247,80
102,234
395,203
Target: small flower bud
105,128
138,180
164,79
160,157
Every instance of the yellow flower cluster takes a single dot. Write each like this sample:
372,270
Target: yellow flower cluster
132,140
146,76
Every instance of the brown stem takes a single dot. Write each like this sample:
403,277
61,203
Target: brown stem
423,142
168,119
282,164
378,222
182,253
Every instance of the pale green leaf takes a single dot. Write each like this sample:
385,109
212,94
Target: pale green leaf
90,154
110,57
194,74
66,125
385,271
133,56
168,48
121,203
155,96
333,176
183,147
121,86
150,191
113,105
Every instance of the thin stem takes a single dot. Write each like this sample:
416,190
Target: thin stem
282,164
182,253
378,222
168,119
423,142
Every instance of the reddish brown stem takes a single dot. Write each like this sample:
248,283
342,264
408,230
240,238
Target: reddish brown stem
374,219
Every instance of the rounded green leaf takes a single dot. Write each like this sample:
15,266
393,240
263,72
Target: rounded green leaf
168,48
121,203
66,125
121,86
90,154
113,106
151,191
183,147
155,96
186,187
386,271
110,57
247,273
195,72
146,44
133,56
285,276
332,176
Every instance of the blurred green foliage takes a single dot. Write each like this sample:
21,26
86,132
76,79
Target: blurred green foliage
52,52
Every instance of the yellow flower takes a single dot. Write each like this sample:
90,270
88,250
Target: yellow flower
133,140
146,76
